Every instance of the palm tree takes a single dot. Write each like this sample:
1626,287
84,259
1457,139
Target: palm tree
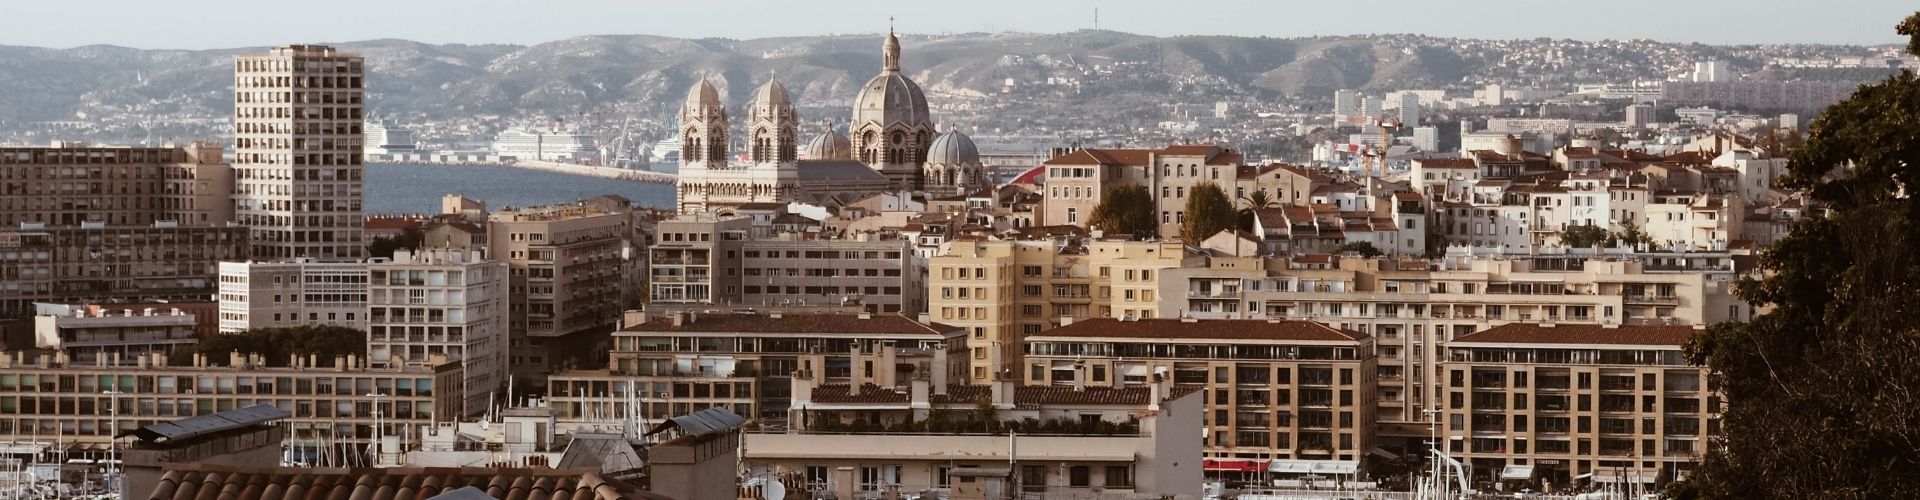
1253,202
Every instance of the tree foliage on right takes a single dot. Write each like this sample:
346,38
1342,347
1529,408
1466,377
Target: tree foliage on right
1208,213
1823,391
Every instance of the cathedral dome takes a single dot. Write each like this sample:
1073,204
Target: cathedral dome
953,148
891,98
772,94
830,145
704,95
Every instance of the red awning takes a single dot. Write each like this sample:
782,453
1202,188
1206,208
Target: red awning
1234,464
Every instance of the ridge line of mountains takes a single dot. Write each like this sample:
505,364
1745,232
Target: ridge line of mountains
648,74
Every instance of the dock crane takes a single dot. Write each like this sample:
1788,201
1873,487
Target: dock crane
1377,156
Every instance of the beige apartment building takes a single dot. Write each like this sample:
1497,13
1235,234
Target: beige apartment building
695,259
432,305
68,185
668,365
1076,181
1412,310
1274,389
48,400
112,264
880,275
1002,291
703,259
299,292
566,265
1097,442
1542,403
113,224
93,334
297,133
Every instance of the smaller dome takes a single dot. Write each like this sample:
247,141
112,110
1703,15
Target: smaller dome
704,95
830,145
953,148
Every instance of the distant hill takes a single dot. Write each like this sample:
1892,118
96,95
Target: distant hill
412,79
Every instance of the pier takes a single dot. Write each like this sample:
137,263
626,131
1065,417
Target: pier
607,172
564,168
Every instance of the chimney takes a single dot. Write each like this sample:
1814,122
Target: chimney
1155,392
887,375
925,318
679,319
939,370
1003,392
141,361
235,360
859,379
1066,320
634,317
1080,375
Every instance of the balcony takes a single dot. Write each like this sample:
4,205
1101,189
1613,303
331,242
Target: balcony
1213,294
1668,300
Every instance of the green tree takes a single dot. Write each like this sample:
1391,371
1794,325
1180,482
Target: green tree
1126,210
1208,213
1365,249
385,246
1630,234
1822,392
277,344
1253,202
1584,236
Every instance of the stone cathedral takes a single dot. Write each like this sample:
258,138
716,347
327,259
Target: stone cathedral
894,147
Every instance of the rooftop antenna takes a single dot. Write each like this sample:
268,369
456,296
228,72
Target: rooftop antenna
1096,18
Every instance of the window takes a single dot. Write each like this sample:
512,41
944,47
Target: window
1073,216
1119,476
1079,476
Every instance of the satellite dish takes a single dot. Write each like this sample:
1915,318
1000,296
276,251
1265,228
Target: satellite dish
775,490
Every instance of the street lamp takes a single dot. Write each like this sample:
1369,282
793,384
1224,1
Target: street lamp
379,432
113,441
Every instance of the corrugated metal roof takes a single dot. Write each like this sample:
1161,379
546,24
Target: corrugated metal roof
208,424
701,423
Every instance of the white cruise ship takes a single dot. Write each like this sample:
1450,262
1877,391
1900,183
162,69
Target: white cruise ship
381,139
547,146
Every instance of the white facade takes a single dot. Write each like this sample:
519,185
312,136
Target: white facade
384,140
292,293
1426,138
1409,109
441,302
298,152
547,146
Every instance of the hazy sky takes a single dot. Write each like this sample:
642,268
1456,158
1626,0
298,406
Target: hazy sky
199,24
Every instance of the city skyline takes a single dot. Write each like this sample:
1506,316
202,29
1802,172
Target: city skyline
488,21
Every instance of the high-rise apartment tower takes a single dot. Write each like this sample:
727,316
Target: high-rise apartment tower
297,119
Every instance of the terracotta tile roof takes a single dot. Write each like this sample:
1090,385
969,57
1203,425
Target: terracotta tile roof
1221,329
1461,163
1026,396
1534,333
1190,149
869,394
1104,157
196,481
393,223
1314,258
1407,196
877,324
1067,395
